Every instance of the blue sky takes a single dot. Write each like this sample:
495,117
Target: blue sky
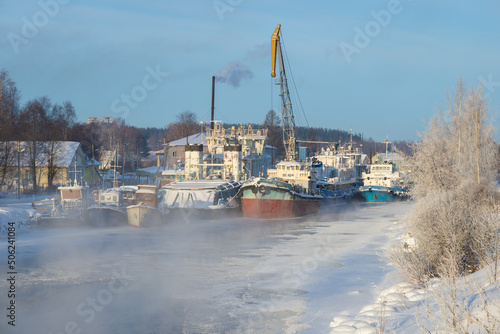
148,61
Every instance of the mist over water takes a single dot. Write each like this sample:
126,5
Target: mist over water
230,275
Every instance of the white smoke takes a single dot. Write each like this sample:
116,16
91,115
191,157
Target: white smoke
233,73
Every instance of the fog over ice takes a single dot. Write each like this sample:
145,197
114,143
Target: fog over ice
230,275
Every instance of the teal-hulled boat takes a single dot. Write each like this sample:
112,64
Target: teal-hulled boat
382,183
382,194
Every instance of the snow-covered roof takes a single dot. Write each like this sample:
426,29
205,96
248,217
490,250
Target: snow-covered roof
172,172
195,139
289,163
391,156
151,170
64,153
89,161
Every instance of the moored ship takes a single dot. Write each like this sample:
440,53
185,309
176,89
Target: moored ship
68,207
145,213
382,184
337,173
110,209
273,198
290,190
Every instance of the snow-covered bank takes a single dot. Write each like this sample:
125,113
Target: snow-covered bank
12,199
19,211
23,215
402,308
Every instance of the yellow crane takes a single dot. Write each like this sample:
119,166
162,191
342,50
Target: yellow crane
287,116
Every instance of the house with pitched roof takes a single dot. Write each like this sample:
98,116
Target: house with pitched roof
62,161
175,150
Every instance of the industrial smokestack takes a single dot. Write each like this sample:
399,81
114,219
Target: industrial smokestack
213,103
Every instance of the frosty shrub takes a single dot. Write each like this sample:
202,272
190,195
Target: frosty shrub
453,221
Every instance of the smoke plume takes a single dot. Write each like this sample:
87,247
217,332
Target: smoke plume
233,73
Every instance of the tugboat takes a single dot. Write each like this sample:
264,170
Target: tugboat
289,190
383,182
68,207
145,213
110,209
338,172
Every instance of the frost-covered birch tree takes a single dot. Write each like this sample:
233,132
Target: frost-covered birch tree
453,221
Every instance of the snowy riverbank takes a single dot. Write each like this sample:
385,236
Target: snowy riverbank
20,212
402,308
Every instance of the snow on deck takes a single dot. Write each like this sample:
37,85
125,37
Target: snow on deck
195,184
289,163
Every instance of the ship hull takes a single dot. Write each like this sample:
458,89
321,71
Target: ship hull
337,197
262,202
213,213
382,194
51,222
105,216
144,216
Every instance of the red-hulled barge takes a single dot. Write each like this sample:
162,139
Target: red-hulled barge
271,199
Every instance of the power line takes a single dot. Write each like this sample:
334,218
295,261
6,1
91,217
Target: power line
293,81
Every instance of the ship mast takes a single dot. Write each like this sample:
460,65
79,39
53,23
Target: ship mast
286,103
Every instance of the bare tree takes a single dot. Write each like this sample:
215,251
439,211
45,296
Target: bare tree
9,112
63,119
8,157
188,124
272,123
9,106
33,124
51,150
185,126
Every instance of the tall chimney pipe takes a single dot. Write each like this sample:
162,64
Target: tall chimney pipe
213,103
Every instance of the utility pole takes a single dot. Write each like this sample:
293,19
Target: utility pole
18,169
123,159
93,164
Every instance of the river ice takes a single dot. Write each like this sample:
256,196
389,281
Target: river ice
224,276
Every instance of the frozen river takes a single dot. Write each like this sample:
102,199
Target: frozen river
225,276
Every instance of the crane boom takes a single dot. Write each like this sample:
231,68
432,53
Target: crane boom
287,116
274,41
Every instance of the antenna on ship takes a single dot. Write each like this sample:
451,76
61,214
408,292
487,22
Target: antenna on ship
213,103
350,144
386,146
